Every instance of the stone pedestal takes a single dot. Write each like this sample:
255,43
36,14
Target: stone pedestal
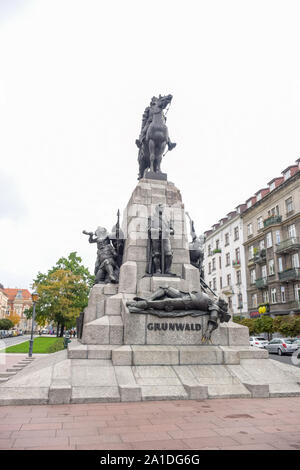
107,320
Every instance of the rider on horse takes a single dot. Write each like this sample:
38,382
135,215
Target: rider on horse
146,121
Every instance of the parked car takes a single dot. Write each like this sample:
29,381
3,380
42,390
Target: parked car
258,341
45,331
282,346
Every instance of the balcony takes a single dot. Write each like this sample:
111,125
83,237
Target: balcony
294,305
261,283
236,263
216,250
290,275
260,257
227,290
291,244
274,219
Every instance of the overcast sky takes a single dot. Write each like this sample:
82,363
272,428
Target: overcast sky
75,77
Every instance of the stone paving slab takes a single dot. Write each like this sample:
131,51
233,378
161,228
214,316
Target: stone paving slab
229,424
57,379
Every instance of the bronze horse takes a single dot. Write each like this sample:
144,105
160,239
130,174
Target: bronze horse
156,138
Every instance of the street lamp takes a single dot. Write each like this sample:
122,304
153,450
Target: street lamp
35,298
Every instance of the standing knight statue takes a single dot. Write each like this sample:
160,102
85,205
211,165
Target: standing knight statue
159,252
154,136
196,247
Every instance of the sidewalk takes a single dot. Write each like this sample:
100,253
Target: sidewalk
267,423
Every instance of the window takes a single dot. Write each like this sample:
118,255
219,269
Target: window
277,236
280,266
214,264
254,300
209,284
258,197
209,268
238,277
236,233
271,267
295,261
209,250
273,295
297,291
289,205
273,211
252,276
251,252
269,239
217,244
264,271
249,204
229,303
214,284
227,259
265,296
226,239
282,294
228,279
237,254
221,283
287,174
262,244
250,229
260,223
240,301
220,262
291,230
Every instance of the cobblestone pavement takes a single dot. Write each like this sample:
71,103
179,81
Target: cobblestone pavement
209,424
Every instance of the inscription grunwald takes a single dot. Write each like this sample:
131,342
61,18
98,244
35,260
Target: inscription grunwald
174,326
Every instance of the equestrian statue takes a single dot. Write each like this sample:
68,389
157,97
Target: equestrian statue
154,136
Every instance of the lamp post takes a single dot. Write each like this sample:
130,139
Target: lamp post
35,298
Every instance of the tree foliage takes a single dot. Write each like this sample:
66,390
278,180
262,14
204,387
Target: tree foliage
63,292
6,324
264,324
14,318
287,325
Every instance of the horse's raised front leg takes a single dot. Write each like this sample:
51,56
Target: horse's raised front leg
152,153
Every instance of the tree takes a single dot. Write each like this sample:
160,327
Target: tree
287,325
264,324
249,322
14,318
6,324
63,292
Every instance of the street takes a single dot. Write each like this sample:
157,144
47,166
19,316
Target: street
284,359
14,340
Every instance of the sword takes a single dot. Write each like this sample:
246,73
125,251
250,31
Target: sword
207,287
162,263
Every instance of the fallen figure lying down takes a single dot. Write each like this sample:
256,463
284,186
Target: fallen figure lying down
168,302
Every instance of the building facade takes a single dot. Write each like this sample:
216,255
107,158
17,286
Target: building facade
19,300
3,304
224,261
271,226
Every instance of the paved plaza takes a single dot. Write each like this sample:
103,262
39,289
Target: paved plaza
237,424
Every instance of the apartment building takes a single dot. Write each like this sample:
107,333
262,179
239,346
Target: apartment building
224,261
19,300
271,233
3,304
